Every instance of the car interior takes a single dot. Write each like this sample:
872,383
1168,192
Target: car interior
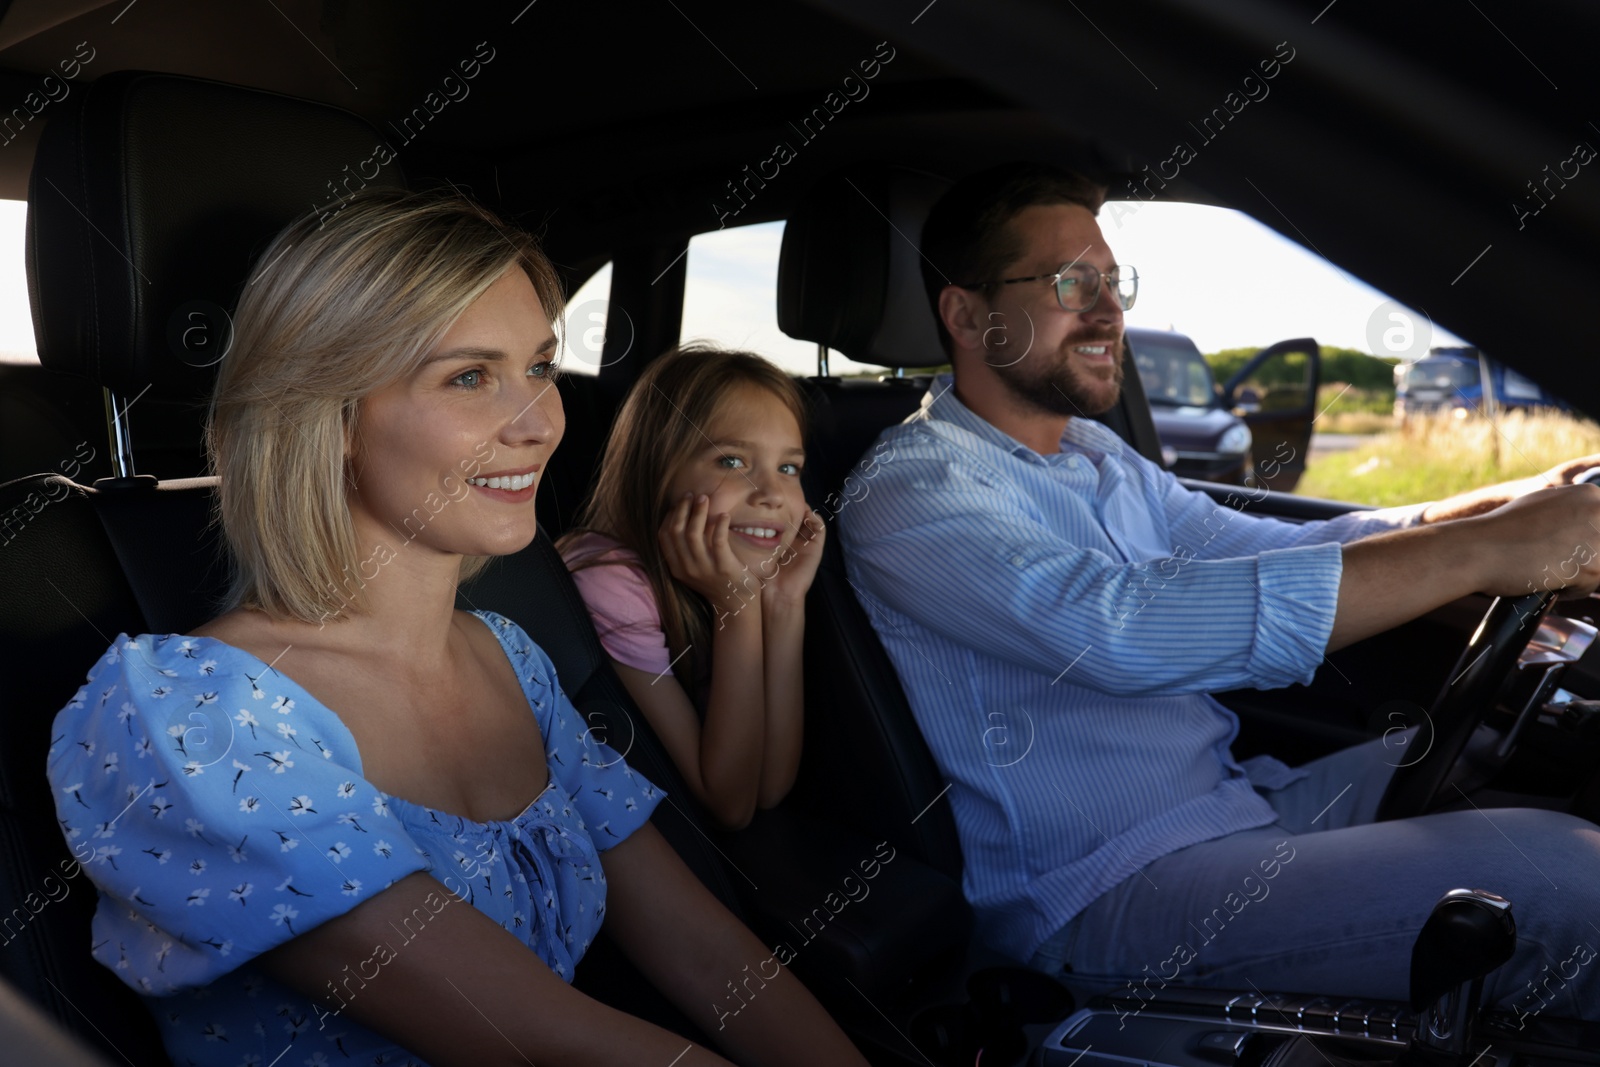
189,133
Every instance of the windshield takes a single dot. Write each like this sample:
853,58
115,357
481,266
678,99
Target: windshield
1173,373
1441,374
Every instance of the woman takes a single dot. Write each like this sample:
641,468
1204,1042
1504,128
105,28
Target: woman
276,798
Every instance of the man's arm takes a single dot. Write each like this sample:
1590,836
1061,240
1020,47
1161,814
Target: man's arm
948,544
1479,501
1546,539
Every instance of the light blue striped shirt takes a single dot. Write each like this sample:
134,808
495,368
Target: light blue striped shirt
1057,621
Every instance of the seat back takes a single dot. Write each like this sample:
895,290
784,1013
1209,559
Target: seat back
63,598
591,404
849,278
151,197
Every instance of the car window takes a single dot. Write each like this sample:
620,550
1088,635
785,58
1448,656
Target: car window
1234,286
1174,373
730,297
16,321
1444,374
1519,388
588,313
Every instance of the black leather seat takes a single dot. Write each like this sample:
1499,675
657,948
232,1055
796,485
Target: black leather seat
848,278
151,196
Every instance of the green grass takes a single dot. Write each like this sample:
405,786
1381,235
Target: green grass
1437,457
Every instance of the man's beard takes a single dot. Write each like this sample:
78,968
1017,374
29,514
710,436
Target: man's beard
1054,386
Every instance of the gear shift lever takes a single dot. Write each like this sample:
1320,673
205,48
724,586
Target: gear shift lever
1469,934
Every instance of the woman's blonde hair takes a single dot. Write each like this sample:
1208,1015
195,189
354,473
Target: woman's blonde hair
335,311
659,429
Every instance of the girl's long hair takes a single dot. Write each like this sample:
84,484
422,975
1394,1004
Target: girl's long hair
661,425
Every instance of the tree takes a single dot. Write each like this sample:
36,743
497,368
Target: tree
1338,365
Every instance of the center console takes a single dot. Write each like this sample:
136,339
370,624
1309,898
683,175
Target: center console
1206,1028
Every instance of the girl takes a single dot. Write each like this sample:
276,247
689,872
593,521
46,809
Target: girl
694,554
344,819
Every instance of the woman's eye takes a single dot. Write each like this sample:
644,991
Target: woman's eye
462,379
547,369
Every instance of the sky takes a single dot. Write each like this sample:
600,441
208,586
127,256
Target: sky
1180,250
16,322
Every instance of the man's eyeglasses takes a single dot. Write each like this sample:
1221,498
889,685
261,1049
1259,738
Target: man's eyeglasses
1077,285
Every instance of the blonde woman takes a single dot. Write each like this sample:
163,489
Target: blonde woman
344,821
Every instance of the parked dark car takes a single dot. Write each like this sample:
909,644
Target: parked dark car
1199,437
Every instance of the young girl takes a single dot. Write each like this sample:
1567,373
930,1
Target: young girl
694,554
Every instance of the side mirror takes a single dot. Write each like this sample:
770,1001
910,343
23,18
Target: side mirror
1276,395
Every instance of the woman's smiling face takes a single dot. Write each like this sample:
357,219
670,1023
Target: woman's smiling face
749,465
450,456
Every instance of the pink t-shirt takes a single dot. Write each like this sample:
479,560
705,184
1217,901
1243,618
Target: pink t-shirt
620,601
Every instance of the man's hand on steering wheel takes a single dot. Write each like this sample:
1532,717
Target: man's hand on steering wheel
1569,472
1545,540
1543,544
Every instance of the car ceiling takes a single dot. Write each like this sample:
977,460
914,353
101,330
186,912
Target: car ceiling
1395,142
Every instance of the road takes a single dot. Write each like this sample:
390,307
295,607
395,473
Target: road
1325,444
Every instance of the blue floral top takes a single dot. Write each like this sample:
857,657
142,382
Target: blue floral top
228,814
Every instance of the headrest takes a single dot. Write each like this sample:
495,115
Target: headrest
150,198
850,276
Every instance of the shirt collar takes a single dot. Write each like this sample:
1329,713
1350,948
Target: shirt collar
1081,435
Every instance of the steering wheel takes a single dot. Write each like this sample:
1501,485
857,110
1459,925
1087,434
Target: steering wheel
1468,693
1464,700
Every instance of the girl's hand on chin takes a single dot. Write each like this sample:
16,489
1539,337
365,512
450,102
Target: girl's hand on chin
697,551
797,563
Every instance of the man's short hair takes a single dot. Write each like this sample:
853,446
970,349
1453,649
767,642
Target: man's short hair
967,237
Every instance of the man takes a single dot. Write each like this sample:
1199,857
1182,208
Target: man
1057,608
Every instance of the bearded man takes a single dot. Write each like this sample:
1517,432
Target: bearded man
1035,580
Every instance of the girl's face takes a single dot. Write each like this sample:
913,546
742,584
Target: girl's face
748,462
483,407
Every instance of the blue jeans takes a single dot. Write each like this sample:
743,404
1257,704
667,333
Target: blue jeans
1327,901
